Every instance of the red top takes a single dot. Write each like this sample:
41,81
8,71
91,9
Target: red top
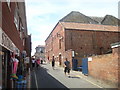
38,61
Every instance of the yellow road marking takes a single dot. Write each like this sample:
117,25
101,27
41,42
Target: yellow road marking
89,81
78,76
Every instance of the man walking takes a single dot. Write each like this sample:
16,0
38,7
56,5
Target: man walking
33,63
67,67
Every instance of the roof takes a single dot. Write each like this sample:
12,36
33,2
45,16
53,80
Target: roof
77,17
110,20
91,27
77,20
98,19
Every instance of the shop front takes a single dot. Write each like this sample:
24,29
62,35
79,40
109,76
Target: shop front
7,48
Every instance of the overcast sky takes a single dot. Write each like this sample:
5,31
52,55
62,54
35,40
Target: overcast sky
43,15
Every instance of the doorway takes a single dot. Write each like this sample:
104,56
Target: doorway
60,62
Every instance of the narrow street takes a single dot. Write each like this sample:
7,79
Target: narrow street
46,77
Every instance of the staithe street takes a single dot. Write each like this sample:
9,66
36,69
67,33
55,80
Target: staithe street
46,77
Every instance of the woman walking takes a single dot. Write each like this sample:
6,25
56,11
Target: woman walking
38,62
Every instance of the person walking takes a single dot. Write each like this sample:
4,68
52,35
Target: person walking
67,67
33,63
53,63
38,62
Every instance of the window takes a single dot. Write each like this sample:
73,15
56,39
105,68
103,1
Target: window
20,29
59,43
21,35
16,19
20,25
23,42
41,51
8,3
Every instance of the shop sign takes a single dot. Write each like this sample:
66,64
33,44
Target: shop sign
73,53
5,41
90,59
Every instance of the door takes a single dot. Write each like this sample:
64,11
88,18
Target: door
74,64
60,62
85,66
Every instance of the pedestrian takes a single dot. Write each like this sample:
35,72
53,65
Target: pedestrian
41,60
53,62
38,62
48,60
33,63
67,67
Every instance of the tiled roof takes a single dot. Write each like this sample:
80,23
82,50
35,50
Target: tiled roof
77,17
77,20
91,27
98,19
110,20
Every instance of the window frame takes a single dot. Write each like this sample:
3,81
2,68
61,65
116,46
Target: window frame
8,3
16,18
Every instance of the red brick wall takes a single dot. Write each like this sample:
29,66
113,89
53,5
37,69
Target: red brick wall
52,44
8,25
87,43
68,55
104,67
83,42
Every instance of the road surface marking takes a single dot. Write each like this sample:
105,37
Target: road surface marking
94,83
36,80
78,76
89,81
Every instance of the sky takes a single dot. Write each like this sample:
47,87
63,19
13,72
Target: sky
43,15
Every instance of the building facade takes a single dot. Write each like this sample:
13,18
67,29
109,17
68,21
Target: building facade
79,36
13,31
40,52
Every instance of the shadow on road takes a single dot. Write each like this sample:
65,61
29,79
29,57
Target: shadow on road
44,79
73,77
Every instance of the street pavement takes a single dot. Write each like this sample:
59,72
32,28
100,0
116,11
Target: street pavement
46,77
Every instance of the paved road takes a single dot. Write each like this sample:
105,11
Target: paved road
46,77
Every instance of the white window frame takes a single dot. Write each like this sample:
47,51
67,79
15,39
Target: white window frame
21,35
16,19
23,42
8,3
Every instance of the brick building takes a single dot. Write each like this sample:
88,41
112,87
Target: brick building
77,35
14,37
